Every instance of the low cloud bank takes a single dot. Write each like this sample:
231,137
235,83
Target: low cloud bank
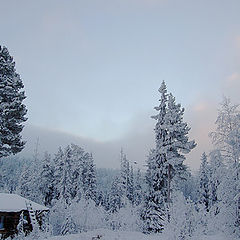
136,143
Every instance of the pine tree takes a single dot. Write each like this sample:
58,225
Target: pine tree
58,172
66,179
89,178
166,162
77,165
204,195
74,175
124,177
115,196
29,180
130,190
12,110
47,180
176,142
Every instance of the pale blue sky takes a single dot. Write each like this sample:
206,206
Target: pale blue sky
90,68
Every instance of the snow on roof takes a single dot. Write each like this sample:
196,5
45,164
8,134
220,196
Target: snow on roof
16,203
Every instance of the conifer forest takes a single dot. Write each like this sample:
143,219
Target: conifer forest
163,200
119,120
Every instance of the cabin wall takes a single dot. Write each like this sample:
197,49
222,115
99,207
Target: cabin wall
10,223
11,220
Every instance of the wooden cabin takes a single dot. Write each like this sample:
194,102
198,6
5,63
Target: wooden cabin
12,208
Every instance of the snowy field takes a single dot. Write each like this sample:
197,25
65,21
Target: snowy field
125,235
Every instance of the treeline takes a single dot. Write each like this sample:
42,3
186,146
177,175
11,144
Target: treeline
166,198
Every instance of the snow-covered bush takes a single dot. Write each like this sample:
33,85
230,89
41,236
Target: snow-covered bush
77,217
87,215
183,218
126,218
57,216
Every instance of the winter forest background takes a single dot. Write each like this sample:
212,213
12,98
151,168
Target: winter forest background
163,198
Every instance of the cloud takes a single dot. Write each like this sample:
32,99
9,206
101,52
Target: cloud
237,42
233,79
51,140
231,86
136,143
201,117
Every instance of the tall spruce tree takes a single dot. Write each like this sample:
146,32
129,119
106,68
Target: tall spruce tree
12,109
166,162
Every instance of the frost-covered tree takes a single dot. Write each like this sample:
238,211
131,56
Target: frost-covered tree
228,203
115,196
25,182
12,110
226,137
130,190
225,181
183,222
74,174
204,195
138,191
46,185
69,225
88,177
66,178
175,144
166,162
77,165
29,180
58,171
124,177
153,214
217,171
10,171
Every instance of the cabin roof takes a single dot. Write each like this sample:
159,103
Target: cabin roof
16,203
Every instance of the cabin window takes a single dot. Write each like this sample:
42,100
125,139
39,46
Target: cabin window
1,222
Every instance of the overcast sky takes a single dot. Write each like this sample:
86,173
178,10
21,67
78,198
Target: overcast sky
91,69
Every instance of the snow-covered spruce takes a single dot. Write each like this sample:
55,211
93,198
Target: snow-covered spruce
166,161
12,110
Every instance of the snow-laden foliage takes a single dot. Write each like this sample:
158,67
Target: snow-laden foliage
126,180
12,110
127,218
77,217
10,171
166,161
138,189
46,185
204,183
226,137
183,218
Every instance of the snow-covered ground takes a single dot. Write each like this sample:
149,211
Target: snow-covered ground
125,235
